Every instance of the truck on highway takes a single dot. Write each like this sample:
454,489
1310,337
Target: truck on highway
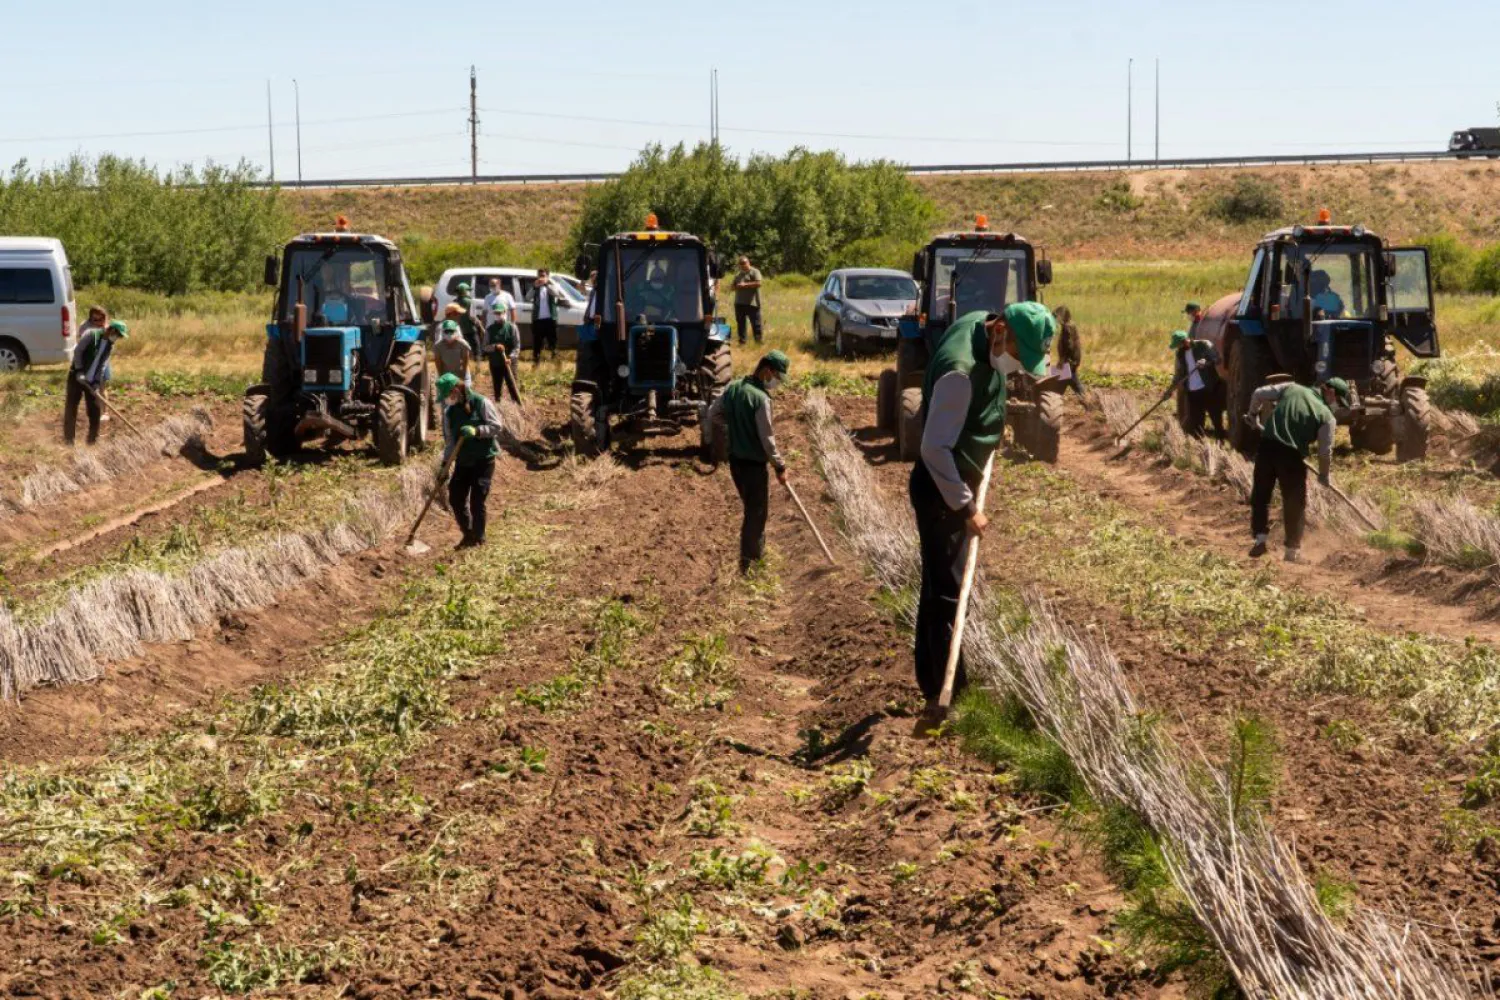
1475,142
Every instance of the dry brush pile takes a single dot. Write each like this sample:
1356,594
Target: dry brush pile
121,456
1241,882
108,619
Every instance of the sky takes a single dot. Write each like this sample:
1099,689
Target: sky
581,86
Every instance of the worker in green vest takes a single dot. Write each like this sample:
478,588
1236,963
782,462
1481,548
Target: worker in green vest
744,411
1298,416
471,424
963,406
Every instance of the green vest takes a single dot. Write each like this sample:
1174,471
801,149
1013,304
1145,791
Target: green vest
743,400
475,450
502,334
469,327
965,347
1298,415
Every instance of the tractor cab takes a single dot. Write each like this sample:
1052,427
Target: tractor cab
960,273
651,349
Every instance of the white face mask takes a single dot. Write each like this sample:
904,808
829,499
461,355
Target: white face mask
1005,364
773,383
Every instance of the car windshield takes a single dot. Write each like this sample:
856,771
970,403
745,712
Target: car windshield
880,286
662,283
1339,280
988,280
341,286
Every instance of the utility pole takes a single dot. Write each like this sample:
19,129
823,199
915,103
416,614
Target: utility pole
473,124
716,104
1129,109
297,96
1158,111
270,132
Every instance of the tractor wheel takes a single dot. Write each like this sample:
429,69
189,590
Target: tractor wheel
1046,437
583,424
1249,364
1376,435
1416,424
1387,380
885,402
390,427
254,411
714,450
909,425
420,432
718,371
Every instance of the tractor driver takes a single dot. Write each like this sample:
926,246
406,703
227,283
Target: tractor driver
1324,299
338,304
658,295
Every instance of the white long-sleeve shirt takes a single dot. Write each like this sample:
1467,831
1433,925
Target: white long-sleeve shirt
947,411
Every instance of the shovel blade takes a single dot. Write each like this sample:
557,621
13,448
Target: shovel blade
417,547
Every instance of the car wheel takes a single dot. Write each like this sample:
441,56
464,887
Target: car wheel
817,329
840,347
13,356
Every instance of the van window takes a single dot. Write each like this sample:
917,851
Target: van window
31,285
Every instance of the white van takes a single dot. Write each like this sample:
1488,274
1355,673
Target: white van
518,281
37,311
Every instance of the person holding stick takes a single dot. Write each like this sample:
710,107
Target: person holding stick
744,410
471,424
87,376
1298,417
963,405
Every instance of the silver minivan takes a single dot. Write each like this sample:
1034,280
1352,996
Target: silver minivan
37,311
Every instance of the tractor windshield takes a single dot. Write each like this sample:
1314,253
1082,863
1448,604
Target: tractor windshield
985,278
340,285
662,283
1340,280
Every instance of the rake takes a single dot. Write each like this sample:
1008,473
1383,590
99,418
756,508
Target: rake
414,547
971,565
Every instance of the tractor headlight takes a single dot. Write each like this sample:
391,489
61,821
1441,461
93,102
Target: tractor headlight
310,375
623,371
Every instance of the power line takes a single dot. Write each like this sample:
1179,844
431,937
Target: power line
222,128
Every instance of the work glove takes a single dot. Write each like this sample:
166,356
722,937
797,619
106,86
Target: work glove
1202,362
469,431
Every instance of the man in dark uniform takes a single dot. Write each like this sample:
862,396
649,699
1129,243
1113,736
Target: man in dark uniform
1198,371
89,371
471,423
468,323
963,404
1298,417
744,409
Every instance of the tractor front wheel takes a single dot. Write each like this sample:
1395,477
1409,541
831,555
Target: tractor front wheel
713,442
390,427
909,425
1046,437
254,412
1416,424
1249,366
583,424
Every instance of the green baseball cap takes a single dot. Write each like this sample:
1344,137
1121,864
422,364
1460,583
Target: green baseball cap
1033,325
1179,337
1192,307
464,286
117,326
1340,389
446,384
776,361
449,326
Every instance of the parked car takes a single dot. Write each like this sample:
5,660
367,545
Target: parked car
37,310
518,281
861,306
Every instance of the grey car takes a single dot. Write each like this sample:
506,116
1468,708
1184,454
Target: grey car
859,307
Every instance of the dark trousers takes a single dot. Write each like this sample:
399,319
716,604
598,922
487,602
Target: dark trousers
1200,405
753,483
468,492
543,331
942,534
1276,463
75,393
1074,383
751,313
498,365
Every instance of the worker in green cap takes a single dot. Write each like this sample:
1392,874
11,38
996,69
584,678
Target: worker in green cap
1198,375
1298,416
743,411
1194,312
468,323
502,347
452,354
471,423
963,406
87,375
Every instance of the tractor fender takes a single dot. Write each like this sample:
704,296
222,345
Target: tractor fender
1414,382
408,333
258,389
583,385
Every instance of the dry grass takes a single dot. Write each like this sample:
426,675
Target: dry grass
109,619
1457,532
1243,884
121,456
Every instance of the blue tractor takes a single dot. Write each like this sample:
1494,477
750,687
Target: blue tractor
959,273
651,353
345,358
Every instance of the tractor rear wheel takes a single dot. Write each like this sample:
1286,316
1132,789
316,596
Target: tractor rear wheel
1416,424
1046,438
390,427
583,424
885,402
909,425
718,371
253,412
1249,365
421,424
